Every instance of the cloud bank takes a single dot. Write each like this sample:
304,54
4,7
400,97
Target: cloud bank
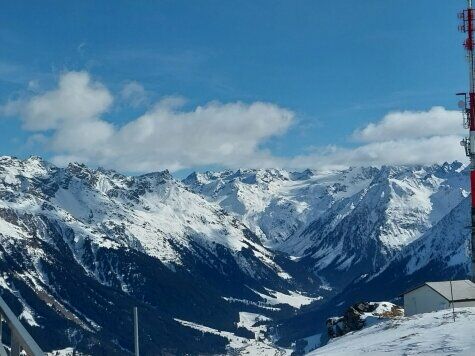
424,151
412,125
70,121
399,138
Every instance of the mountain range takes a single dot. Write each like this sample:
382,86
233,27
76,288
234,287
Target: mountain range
219,262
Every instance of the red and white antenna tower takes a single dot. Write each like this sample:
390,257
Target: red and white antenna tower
468,105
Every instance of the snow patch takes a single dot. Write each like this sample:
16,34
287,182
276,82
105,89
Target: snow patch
293,299
240,345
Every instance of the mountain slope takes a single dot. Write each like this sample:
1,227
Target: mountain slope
80,247
277,205
427,334
340,224
441,253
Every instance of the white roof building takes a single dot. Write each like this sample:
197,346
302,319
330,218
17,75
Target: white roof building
433,296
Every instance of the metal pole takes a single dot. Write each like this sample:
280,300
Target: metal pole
452,297
470,48
136,331
468,19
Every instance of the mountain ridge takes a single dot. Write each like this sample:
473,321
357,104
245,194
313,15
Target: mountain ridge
202,251
113,231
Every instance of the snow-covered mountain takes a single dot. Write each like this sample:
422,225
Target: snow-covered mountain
80,247
153,214
441,252
275,204
351,221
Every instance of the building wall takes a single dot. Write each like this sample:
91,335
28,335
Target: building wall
424,300
470,303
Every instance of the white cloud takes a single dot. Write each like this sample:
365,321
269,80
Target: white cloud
69,122
222,134
399,138
412,124
429,150
169,137
77,98
166,136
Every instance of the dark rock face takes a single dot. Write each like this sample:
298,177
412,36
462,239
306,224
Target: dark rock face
355,317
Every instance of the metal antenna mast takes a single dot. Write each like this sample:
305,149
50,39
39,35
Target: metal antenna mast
468,26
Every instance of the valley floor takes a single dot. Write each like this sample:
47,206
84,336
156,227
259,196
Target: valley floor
241,345
425,334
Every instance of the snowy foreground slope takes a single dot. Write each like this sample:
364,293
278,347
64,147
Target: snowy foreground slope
426,334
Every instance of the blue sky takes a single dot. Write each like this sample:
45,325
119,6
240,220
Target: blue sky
337,66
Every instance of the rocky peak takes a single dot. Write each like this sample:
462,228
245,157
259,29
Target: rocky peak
157,176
